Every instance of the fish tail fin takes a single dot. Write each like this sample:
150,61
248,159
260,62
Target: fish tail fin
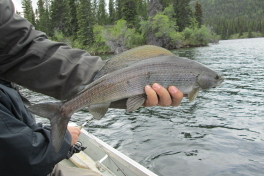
58,122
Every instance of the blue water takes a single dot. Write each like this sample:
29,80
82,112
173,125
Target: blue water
219,133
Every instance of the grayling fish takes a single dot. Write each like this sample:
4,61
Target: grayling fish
129,82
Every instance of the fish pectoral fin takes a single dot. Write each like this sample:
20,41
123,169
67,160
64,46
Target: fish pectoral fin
58,122
135,102
98,110
193,94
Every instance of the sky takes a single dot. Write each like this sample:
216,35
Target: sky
18,5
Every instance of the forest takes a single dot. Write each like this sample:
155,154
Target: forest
116,26
234,18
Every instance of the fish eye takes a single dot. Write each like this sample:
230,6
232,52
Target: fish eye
216,77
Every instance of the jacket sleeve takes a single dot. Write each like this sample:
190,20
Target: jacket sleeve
25,146
29,59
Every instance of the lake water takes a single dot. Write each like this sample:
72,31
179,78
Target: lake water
220,133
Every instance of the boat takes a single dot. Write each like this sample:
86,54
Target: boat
104,159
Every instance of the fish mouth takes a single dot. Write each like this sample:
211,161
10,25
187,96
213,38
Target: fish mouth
219,82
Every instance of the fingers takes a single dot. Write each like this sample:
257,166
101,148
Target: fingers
152,98
158,95
176,96
75,132
162,94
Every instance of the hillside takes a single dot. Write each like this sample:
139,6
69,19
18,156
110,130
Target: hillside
228,17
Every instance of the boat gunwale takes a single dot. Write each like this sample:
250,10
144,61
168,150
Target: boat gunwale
120,158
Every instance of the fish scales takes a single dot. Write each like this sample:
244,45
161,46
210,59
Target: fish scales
129,82
132,56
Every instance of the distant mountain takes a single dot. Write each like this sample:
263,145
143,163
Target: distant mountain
228,17
232,8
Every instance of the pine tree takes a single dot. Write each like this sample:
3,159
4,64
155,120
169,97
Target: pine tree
165,3
40,23
129,12
141,6
239,16
119,5
141,11
36,18
154,7
183,13
28,11
198,14
17,12
101,14
112,13
94,7
85,23
73,19
60,16
49,29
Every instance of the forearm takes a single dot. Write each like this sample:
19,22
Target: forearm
29,59
52,69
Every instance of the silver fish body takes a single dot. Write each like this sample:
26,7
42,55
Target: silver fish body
129,82
186,74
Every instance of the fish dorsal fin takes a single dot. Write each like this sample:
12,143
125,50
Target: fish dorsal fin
193,94
99,110
135,102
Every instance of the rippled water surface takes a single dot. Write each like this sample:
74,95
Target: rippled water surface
220,133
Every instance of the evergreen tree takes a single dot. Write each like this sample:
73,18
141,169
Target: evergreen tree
237,16
165,3
17,12
73,19
198,14
183,13
28,11
49,29
41,21
154,7
119,5
60,16
112,14
36,18
95,11
85,23
129,12
250,35
141,9
101,14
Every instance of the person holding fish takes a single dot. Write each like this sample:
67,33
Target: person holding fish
30,59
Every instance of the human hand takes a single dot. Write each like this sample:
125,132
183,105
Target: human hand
159,96
75,133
